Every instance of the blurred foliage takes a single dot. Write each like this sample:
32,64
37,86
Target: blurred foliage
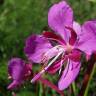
19,19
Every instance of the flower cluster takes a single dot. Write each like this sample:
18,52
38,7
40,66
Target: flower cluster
60,49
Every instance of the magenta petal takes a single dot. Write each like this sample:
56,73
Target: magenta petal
15,68
27,71
53,36
18,71
70,73
73,36
87,41
77,28
75,33
36,46
50,54
14,84
59,16
75,55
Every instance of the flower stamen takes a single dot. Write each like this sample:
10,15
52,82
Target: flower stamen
41,72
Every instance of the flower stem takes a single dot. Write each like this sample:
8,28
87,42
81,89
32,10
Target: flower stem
88,76
92,73
40,89
74,88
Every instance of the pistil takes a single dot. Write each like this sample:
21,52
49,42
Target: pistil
41,72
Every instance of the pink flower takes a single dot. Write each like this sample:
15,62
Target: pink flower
64,46
18,72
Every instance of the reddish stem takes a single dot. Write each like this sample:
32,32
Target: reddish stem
51,85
